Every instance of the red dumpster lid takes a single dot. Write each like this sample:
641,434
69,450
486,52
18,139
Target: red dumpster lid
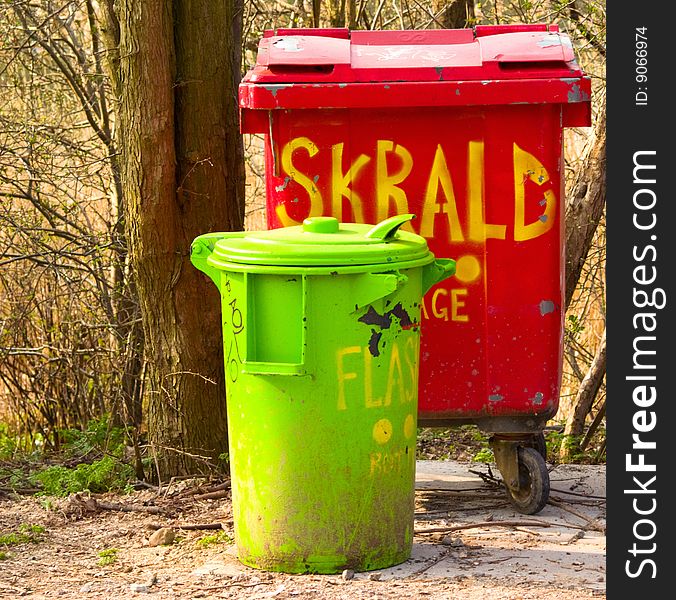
296,67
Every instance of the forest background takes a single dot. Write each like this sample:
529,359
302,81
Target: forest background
105,375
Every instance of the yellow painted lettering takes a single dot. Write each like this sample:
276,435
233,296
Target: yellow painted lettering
342,375
439,174
457,303
340,184
394,373
425,314
316,205
376,458
439,313
411,357
479,230
526,167
387,189
369,400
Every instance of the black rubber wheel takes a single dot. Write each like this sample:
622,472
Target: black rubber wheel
533,481
540,444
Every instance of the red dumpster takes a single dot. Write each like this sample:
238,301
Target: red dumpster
464,129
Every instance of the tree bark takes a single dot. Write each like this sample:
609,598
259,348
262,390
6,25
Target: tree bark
583,403
585,205
335,10
457,14
183,176
341,13
127,333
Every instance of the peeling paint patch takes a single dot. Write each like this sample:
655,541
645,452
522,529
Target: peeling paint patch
457,91
374,342
496,397
575,94
537,399
288,44
546,307
387,87
274,88
543,202
550,40
315,179
542,218
342,85
373,317
384,321
282,187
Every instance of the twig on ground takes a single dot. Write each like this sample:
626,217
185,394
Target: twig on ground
487,477
578,494
189,526
439,559
533,523
592,524
94,505
233,584
212,495
20,491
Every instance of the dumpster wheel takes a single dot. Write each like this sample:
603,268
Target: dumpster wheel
533,490
540,444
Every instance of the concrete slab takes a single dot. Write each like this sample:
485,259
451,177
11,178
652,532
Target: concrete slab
563,545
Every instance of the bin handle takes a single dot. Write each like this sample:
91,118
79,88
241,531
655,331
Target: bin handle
201,249
272,368
276,367
385,230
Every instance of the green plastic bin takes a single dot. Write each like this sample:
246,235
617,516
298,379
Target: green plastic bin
321,332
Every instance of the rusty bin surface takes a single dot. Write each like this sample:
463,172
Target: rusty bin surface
464,128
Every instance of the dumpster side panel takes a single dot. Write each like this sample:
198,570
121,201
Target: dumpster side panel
486,186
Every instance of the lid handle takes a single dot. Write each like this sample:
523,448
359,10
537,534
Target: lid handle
386,230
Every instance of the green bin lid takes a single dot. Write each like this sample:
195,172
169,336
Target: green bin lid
322,242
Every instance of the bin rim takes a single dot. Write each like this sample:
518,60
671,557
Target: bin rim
320,242
375,268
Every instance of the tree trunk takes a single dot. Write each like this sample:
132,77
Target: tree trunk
455,14
585,204
183,176
583,403
316,10
127,333
335,10
342,13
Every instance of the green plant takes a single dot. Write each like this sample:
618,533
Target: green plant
574,325
479,436
27,534
554,440
4,555
31,529
99,435
485,455
46,503
107,557
103,475
216,538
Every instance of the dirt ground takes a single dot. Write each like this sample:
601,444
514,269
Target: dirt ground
555,555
